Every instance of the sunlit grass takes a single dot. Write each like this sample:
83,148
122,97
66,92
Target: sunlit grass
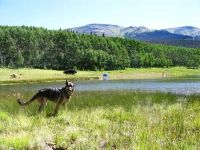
28,75
103,120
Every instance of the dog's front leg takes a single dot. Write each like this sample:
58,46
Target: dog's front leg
65,105
57,107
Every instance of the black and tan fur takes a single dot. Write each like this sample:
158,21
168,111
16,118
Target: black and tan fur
61,96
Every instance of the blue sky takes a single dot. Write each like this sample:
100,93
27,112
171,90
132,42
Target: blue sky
56,14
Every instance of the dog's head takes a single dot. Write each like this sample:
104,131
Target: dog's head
70,87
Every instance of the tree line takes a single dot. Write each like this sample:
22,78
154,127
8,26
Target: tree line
59,49
179,43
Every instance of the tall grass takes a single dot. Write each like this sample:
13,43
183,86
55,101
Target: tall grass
103,120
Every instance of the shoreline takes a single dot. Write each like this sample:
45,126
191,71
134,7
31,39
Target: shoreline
74,78
137,76
29,75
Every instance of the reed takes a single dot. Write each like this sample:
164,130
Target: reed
103,120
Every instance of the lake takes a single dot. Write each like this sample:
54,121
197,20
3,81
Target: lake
183,85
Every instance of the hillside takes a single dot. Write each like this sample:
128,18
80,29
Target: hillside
57,49
133,31
157,35
185,30
179,43
167,36
109,30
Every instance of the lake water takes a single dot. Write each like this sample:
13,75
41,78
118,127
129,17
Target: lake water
183,85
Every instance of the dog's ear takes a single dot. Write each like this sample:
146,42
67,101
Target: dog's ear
66,82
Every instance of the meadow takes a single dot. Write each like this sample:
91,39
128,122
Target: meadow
103,120
100,119
28,75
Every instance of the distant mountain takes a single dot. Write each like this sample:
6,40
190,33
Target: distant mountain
141,33
109,30
185,30
99,29
157,35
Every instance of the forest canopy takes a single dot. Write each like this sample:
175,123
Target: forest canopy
60,49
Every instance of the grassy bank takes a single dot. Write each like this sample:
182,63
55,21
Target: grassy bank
39,75
103,120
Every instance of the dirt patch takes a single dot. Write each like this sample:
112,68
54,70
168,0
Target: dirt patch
51,146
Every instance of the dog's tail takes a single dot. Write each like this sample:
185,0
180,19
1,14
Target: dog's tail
20,102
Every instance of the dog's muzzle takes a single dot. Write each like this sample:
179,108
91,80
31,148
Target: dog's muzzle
70,89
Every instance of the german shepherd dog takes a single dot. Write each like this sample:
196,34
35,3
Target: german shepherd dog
58,95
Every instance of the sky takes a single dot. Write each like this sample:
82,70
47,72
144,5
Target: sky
62,14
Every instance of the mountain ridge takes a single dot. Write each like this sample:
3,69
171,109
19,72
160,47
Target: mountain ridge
140,32
185,30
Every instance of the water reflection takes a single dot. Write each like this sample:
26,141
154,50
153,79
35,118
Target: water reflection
175,85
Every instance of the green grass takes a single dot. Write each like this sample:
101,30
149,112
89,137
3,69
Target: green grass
27,75
103,120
